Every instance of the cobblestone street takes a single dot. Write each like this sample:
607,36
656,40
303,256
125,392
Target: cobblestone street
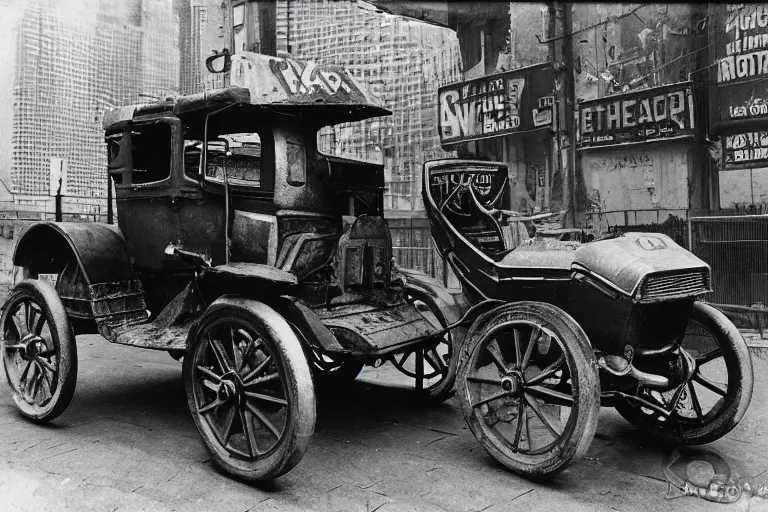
127,443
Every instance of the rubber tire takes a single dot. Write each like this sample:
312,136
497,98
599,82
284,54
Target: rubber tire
296,378
581,359
738,396
445,389
46,297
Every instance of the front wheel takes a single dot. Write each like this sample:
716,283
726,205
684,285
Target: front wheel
249,389
529,387
38,350
713,402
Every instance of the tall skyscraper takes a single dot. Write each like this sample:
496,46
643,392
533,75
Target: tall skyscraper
73,59
401,61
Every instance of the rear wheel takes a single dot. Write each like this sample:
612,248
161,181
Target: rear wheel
250,390
38,350
529,387
713,402
432,365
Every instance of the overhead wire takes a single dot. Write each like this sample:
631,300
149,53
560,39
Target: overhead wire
604,22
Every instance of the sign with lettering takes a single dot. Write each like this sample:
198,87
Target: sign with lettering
740,69
272,80
495,105
646,115
742,150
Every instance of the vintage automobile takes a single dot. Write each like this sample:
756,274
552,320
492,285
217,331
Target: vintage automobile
571,324
241,248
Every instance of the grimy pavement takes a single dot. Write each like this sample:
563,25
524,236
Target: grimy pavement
128,443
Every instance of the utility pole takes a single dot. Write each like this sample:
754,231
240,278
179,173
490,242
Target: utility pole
561,50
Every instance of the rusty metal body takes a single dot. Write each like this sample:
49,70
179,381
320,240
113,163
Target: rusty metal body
284,242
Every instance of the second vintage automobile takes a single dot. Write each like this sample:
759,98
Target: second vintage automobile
573,324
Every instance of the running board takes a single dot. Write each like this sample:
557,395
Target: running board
156,337
375,331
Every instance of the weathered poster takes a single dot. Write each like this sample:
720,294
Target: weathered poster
740,70
495,105
742,150
646,115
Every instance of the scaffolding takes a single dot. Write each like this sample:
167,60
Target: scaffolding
401,61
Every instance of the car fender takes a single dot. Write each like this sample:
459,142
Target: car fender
98,248
453,304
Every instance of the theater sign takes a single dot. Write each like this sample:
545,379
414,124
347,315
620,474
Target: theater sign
659,113
492,106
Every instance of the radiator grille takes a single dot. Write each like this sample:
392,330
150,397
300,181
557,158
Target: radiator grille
691,282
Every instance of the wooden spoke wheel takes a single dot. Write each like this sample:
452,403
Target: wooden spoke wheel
713,402
432,365
250,390
38,350
529,387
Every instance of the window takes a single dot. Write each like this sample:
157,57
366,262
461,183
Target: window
238,28
141,155
237,154
192,155
297,164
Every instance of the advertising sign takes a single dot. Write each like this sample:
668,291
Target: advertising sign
496,105
639,116
743,150
740,68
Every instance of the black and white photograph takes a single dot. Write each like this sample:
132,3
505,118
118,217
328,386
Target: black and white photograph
383,256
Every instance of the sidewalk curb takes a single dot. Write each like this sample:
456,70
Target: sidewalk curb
759,349
757,345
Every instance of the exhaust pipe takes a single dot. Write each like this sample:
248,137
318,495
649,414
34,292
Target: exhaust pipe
620,367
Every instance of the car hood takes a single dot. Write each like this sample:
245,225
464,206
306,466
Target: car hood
624,261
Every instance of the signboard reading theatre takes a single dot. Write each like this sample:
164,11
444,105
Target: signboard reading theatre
495,105
651,114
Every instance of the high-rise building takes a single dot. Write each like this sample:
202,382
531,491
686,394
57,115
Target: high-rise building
401,61
73,59
202,30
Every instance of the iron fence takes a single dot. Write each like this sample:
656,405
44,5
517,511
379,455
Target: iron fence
736,248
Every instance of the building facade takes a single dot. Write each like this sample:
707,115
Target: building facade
71,61
402,61
643,144
739,102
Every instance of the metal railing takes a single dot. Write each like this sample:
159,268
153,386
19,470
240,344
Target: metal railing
673,223
736,248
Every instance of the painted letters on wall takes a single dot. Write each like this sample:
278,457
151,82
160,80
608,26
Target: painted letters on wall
743,150
741,63
495,105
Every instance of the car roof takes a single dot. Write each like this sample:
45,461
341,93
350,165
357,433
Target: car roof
319,94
